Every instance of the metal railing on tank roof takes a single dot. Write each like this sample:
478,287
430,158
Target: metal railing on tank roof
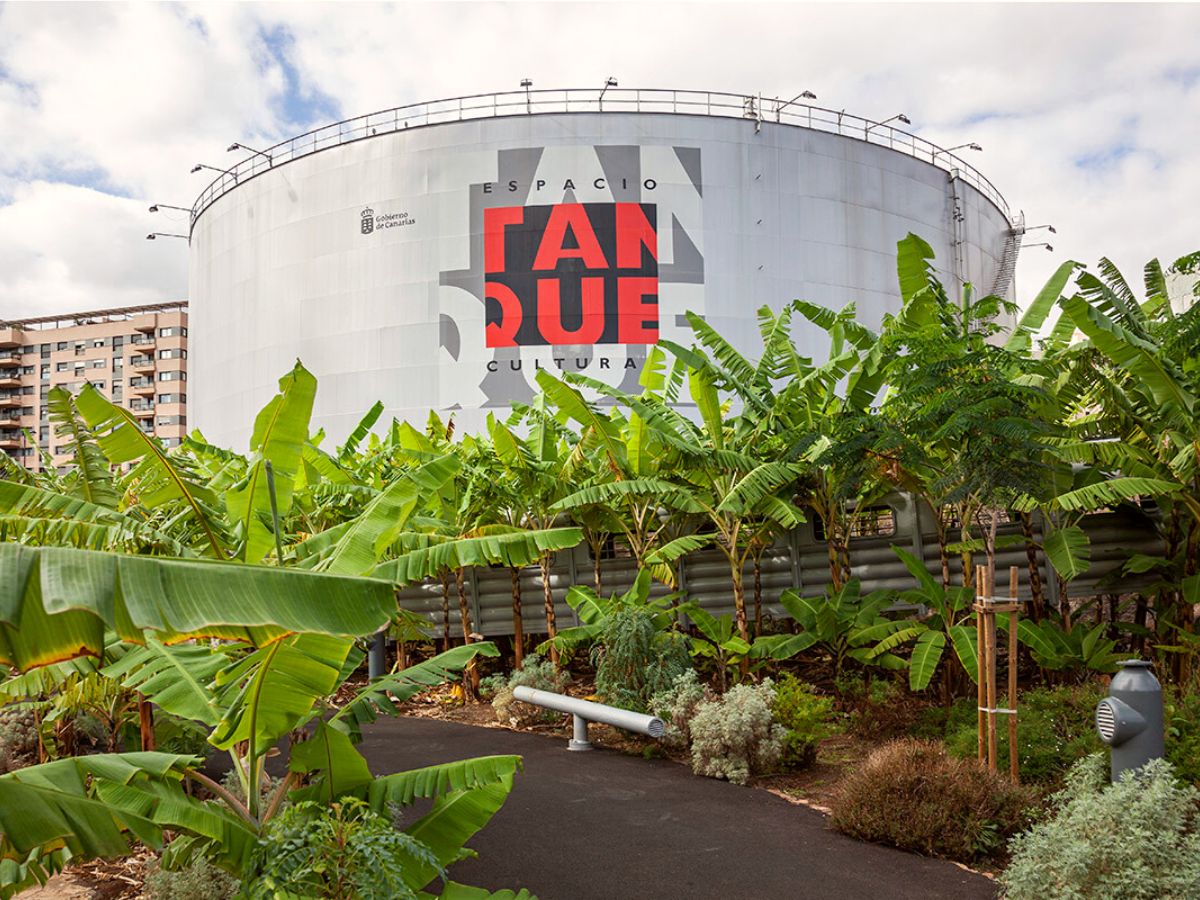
755,108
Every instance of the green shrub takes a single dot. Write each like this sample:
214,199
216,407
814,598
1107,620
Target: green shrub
880,710
634,660
1135,840
913,795
344,850
537,673
735,736
198,880
807,717
1183,733
1055,729
676,706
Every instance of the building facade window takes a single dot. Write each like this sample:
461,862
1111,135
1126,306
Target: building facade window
173,331
172,376
175,353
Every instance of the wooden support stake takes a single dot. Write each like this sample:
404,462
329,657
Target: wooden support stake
990,634
1012,677
980,653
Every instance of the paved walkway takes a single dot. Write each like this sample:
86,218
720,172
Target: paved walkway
609,826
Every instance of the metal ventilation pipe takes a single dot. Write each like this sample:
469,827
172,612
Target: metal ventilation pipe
1130,718
586,711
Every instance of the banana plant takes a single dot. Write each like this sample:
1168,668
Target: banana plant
168,484
595,612
293,634
949,610
1077,650
730,654
845,625
1133,388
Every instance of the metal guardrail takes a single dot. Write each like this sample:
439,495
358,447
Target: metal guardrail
585,711
755,108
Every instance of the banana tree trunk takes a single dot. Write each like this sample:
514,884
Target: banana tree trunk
548,597
835,566
1037,595
943,553
146,723
445,610
739,606
1141,610
518,630
844,550
758,622
464,615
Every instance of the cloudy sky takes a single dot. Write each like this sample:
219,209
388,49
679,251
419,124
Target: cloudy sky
1089,114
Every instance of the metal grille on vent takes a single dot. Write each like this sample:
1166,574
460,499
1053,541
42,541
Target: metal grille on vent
1106,722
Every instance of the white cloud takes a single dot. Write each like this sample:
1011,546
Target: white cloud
65,249
128,97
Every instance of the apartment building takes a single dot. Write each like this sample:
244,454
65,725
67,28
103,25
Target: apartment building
136,355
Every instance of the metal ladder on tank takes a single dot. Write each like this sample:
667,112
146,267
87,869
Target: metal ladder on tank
1008,263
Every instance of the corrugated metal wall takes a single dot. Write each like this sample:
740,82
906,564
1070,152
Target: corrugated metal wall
799,560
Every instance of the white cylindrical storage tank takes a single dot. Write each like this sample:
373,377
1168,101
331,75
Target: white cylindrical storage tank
435,256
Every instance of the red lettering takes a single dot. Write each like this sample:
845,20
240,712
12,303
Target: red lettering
637,320
634,231
549,299
495,220
504,332
551,249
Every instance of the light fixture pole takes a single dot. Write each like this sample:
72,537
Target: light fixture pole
899,117
198,166
1050,228
266,156
527,84
155,207
969,146
608,82
157,234
1049,249
803,95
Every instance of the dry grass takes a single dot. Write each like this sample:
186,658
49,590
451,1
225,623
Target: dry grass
912,795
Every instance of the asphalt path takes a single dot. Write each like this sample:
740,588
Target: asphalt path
607,825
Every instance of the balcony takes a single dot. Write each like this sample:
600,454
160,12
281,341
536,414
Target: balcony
144,324
11,336
141,386
10,400
142,340
9,379
9,358
10,437
142,363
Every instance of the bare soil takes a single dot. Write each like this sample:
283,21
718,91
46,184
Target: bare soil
102,879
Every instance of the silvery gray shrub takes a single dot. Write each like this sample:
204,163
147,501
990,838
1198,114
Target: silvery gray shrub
1138,839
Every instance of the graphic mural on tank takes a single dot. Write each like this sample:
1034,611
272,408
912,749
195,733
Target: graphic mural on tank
580,258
